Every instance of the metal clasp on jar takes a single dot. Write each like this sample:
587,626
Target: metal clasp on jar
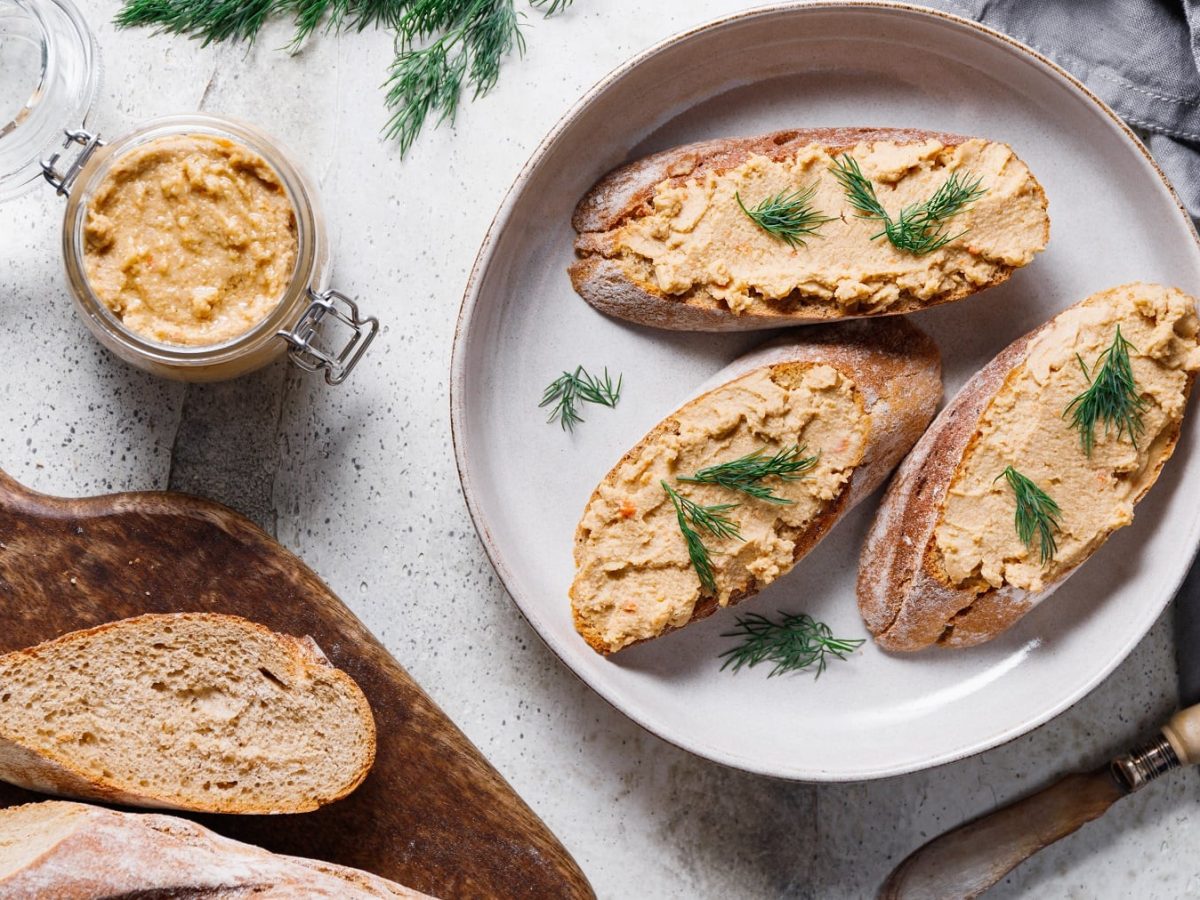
340,308
62,180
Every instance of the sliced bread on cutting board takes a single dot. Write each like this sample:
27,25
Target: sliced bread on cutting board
57,850
187,711
668,241
843,403
945,562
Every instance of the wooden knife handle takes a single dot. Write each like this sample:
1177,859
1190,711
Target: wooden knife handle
970,859
1183,734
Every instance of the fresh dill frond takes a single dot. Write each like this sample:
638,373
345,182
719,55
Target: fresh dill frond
1036,515
1111,397
550,7
790,217
919,228
443,47
209,20
796,642
572,388
859,190
712,519
746,473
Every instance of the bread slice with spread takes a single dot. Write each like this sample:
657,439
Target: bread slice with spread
681,239
192,711
829,411
1024,475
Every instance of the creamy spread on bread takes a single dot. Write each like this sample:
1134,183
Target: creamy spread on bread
697,238
635,579
1023,426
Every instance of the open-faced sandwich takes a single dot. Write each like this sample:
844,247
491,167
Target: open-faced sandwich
1029,469
727,493
805,226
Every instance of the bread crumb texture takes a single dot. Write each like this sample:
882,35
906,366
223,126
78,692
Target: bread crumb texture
190,711
697,237
975,541
634,578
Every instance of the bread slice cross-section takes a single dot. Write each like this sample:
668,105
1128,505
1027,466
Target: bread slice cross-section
187,711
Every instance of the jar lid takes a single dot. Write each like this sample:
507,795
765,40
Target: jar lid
49,78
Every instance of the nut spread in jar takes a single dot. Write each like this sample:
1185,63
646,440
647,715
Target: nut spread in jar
190,240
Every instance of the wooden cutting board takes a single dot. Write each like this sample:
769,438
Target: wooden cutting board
433,814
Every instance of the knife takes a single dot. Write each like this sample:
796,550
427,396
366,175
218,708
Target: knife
968,860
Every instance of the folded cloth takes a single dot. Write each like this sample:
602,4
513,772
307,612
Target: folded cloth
1141,57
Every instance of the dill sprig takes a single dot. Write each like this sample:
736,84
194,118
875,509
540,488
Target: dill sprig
572,388
746,473
1036,515
1111,397
790,217
919,228
443,47
712,519
795,643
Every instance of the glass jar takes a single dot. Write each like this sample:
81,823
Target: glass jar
54,55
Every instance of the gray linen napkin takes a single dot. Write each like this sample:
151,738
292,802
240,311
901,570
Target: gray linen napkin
1141,57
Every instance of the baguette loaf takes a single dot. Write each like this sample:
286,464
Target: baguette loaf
855,397
664,241
58,850
189,711
943,562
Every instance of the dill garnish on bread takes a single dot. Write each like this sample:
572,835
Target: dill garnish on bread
805,226
727,493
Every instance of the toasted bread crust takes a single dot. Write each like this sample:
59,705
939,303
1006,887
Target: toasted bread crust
896,370
627,192
904,594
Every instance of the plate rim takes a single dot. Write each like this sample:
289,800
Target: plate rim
458,374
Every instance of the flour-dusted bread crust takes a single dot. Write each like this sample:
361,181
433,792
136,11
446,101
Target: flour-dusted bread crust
895,367
627,192
190,711
904,596
57,850
904,601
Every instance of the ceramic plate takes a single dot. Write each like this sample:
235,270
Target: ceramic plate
1114,219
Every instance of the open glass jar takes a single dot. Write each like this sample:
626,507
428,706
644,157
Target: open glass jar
62,71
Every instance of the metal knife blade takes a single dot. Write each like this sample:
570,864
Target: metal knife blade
1187,637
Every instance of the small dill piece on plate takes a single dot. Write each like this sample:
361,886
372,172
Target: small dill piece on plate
919,228
796,642
1111,397
570,389
789,217
1037,515
746,473
692,516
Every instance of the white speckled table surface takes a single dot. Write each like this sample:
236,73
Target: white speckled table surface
360,481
